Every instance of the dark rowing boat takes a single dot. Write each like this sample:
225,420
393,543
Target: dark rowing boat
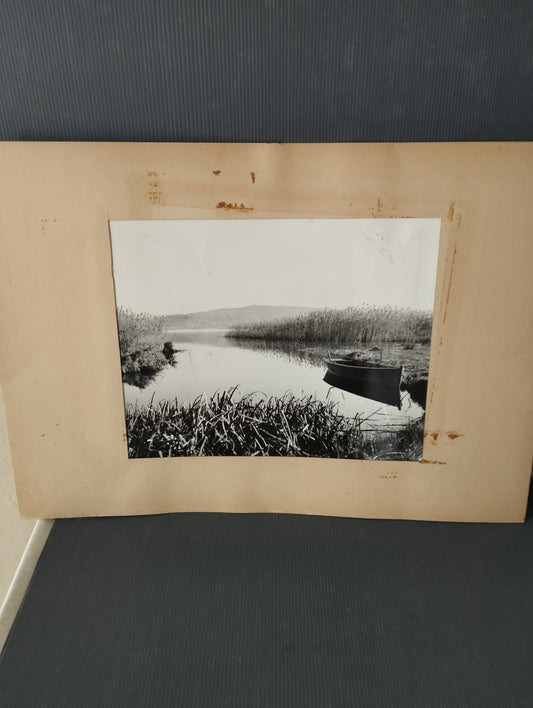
368,379
360,372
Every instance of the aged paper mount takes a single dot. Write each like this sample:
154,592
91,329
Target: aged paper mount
60,367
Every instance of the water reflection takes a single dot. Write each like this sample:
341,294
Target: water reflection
139,380
208,362
418,390
384,394
288,350
316,355
293,351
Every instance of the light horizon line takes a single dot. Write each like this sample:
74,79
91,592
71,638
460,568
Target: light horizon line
367,306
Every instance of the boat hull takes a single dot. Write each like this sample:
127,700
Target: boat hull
375,375
379,383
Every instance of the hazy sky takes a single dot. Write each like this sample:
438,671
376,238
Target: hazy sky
170,267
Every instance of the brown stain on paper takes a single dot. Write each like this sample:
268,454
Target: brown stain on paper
44,225
432,389
230,206
252,175
155,198
434,435
376,211
154,193
431,462
451,211
448,293
216,172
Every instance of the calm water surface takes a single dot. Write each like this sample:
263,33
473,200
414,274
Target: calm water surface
210,362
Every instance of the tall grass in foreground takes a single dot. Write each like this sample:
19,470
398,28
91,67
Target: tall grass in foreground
286,426
354,326
141,342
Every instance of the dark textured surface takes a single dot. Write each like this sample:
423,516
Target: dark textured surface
265,70
213,610
229,610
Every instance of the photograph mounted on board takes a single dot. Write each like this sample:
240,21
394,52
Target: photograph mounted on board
275,337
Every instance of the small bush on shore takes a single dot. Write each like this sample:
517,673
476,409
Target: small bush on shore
140,338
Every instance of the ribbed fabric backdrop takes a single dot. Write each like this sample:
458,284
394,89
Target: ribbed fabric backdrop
212,610
266,70
260,611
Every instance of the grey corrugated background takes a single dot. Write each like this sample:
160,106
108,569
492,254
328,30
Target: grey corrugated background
266,70
213,610
259,611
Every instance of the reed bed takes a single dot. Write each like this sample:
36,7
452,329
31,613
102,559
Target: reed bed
227,425
353,326
141,342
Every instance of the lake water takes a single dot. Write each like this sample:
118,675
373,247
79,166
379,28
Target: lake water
209,362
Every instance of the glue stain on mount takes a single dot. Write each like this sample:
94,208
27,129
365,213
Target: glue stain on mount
233,206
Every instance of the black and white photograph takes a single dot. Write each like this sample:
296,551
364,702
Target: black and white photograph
275,337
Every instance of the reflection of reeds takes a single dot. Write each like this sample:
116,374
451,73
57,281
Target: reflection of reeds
224,425
288,351
401,442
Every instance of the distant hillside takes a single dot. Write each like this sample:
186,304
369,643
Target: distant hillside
229,317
